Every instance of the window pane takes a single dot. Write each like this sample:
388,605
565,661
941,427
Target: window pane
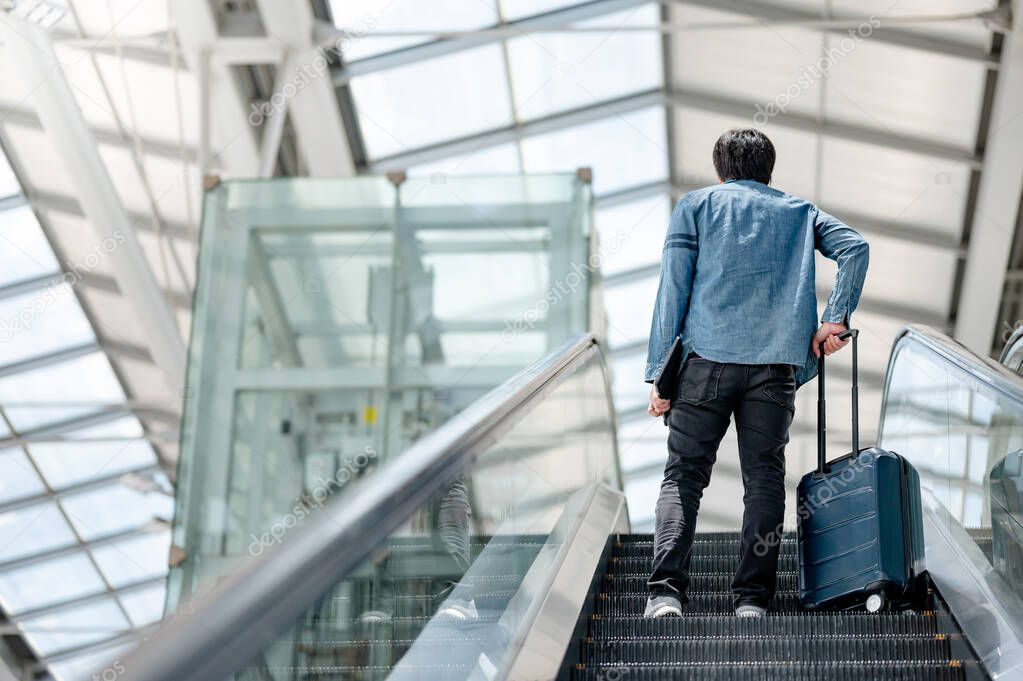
92,663
33,529
83,378
108,510
41,584
41,322
8,183
132,560
75,626
24,251
419,104
145,606
67,463
556,71
17,478
363,19
623,151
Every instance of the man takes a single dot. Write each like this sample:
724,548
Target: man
738,284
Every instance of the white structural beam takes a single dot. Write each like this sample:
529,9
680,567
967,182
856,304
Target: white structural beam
308,90
30,48
235,141
996,213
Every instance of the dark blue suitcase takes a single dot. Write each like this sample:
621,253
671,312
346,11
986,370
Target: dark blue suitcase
860,526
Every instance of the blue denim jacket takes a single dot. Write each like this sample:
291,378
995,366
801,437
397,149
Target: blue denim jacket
738,279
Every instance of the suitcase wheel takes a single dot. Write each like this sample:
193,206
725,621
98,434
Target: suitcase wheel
876,602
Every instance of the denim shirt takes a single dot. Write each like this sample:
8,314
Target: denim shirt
738,280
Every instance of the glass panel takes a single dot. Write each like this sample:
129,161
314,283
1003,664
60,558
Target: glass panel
623,150
24,251
444,109
632,234
40,322
80,379
553,72
363,19
135,559
94,664
17,478
111,509
517,9
49,582
75,626
334,326
966,439
8,183
145,606
33,529
66,463
474,553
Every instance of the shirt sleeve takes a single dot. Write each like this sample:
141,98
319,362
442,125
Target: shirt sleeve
678,264
841,243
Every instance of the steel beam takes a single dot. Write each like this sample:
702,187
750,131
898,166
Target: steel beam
688,99
564,18
313,107
197,31
997,213
29,46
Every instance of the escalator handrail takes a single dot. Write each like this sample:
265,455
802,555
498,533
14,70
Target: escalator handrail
985,371
265,596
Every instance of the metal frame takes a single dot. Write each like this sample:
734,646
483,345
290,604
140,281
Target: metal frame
997,213
987,609
245,612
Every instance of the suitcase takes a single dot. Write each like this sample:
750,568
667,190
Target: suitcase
859,523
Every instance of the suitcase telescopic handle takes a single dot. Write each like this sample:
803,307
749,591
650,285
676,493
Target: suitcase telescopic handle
822,455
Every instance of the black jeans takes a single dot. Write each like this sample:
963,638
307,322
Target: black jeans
761,398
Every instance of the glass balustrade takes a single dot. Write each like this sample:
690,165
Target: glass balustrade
336,321
449,591
959,419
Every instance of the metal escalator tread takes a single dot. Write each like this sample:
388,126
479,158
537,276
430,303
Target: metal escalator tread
709,642
793,671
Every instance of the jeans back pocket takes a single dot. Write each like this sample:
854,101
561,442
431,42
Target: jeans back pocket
700,379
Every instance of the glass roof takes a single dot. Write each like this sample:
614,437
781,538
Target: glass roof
555,100
83,525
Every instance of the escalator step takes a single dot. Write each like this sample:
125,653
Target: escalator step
669,651
698,581
698,563
834,671
357,672
342,651
817,625
714,548
625,605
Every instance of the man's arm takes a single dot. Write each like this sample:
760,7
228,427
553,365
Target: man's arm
841,243
678,264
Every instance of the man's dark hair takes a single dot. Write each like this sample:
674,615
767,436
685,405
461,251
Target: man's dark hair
744,154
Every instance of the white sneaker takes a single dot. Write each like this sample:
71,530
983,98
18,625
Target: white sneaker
662,606
750,611
374,617
458,610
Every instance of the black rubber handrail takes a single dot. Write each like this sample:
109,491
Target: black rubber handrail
252,607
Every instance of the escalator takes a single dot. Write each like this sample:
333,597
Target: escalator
499,547
711,643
